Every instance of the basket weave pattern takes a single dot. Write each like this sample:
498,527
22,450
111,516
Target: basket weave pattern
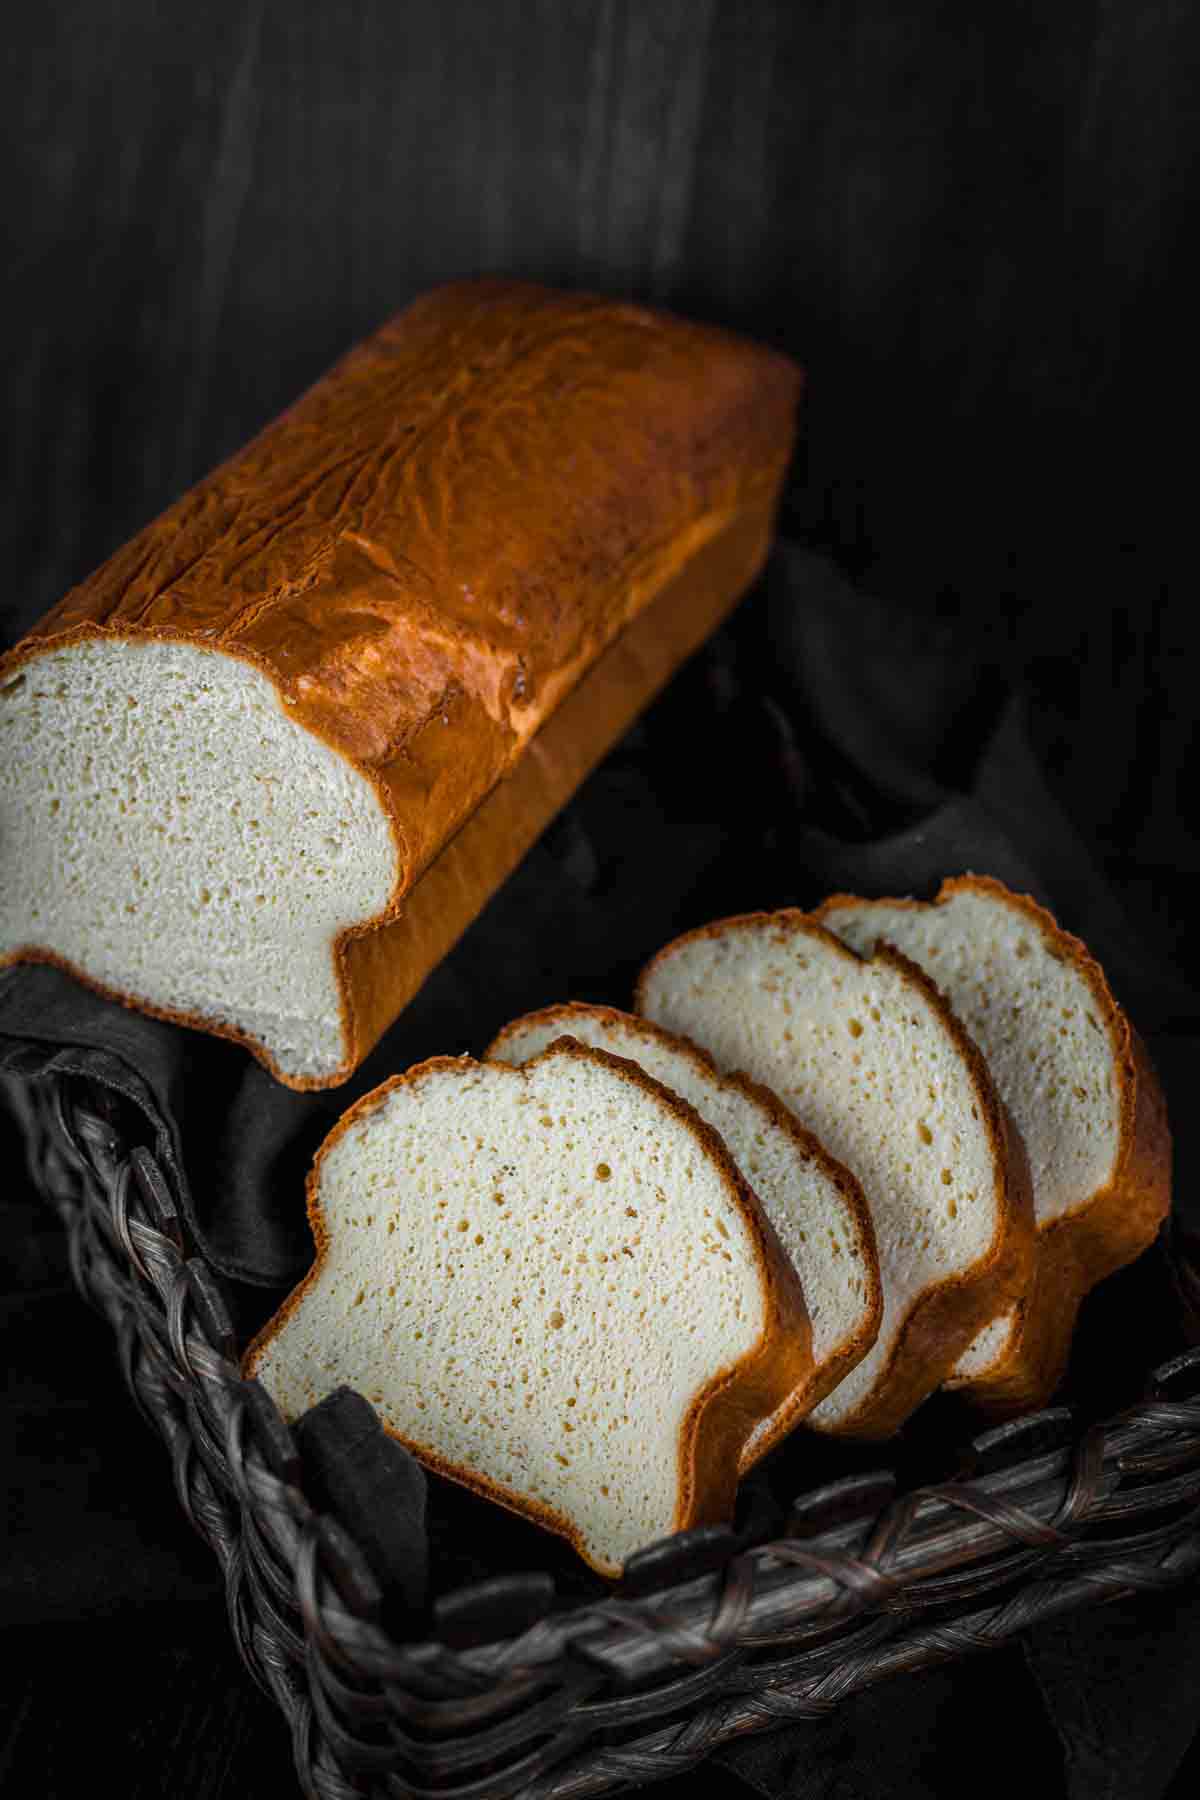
704,1640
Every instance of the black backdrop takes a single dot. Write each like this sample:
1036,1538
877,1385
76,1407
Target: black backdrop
971,224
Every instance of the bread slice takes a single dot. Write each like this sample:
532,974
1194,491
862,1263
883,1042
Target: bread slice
815,1205
230,756
555,1288
868,1055
1079,1087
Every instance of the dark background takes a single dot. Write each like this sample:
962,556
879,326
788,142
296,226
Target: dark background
972,225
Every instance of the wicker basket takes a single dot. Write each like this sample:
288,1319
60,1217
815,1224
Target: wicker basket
704,1640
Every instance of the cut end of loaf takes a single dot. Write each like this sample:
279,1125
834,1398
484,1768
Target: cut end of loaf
539,1278
170,835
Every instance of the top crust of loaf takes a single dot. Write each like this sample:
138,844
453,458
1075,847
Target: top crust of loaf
629,1034
723,1413
950,1311
1109,1227
400,555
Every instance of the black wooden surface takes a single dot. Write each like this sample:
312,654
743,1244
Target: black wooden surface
972,225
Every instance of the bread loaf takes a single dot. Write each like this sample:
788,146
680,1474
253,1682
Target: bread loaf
553,1286
1079,1086
868,1055
814,1203
232,758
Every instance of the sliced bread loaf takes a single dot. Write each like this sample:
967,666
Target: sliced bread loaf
555,1288
230,757
1079,1086
869,1056
815,1205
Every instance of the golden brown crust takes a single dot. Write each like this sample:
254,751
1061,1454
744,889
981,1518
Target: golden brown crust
823,1377
723,1413
385,968
429,549
949,1313
1106,1230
